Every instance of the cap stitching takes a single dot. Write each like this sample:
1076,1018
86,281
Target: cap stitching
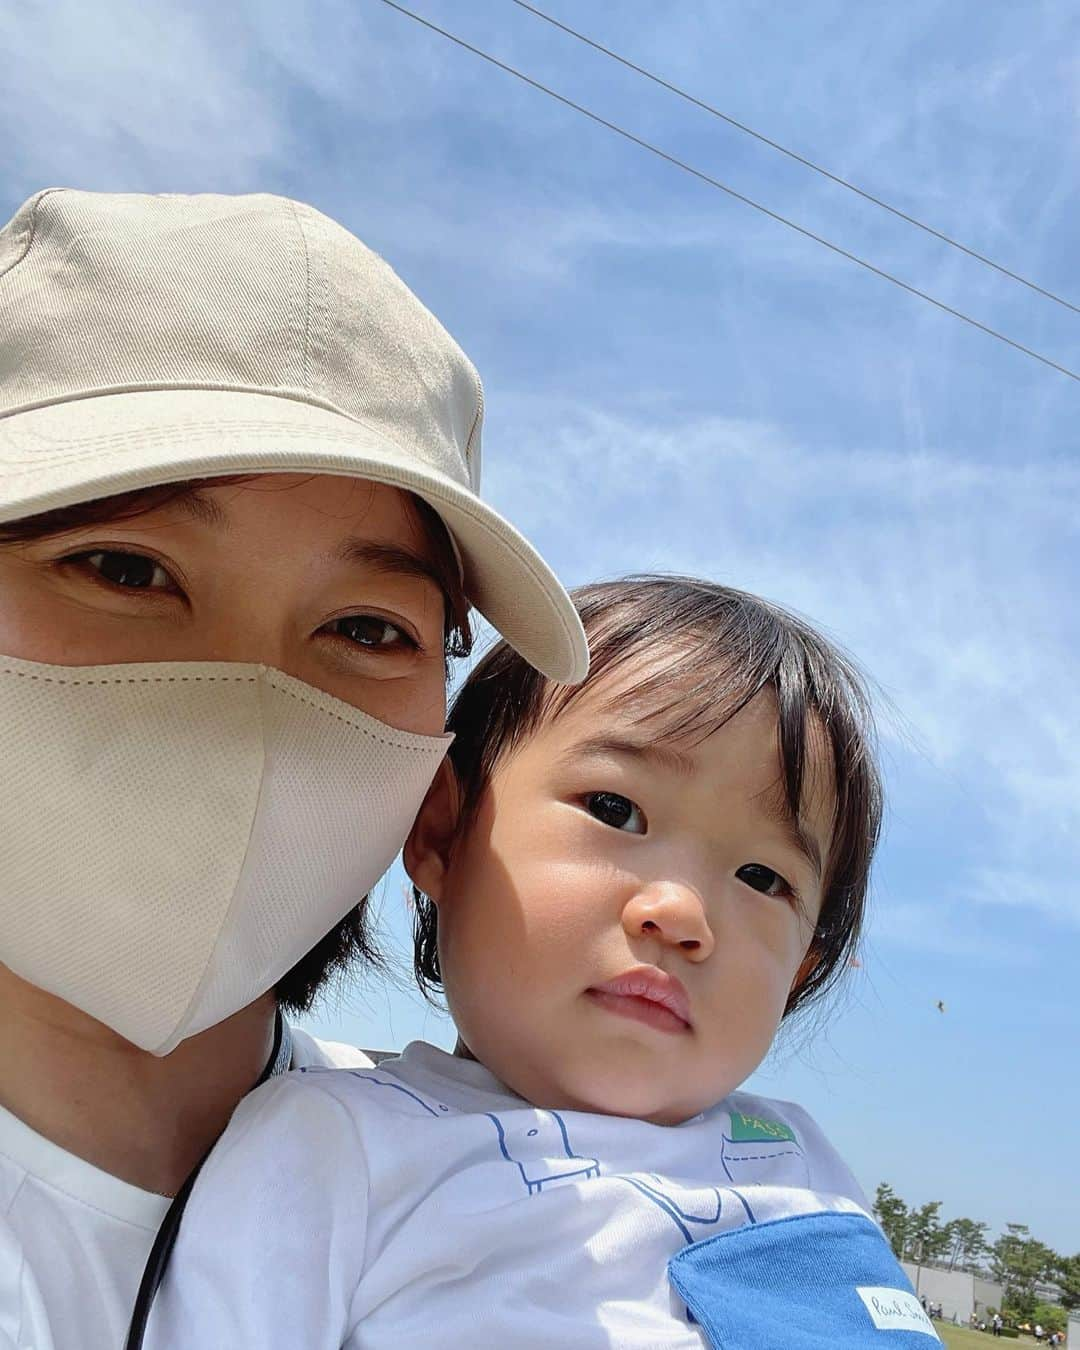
472,432
49,192
307,292
168,387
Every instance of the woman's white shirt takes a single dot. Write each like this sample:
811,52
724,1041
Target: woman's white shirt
74,1239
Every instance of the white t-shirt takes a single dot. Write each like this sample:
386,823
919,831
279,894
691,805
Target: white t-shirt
421,1204
74,1239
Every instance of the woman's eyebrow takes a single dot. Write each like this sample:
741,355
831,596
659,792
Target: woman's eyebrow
206,510
393,558
380,557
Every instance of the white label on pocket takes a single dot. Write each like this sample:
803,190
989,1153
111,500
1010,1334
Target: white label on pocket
895,1310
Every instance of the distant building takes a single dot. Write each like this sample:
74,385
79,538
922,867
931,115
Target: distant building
958,1291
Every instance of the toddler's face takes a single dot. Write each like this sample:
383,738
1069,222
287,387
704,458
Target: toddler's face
622,923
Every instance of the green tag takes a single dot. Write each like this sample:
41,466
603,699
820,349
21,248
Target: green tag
752,1129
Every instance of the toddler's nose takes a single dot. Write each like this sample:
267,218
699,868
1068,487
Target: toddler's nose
671,913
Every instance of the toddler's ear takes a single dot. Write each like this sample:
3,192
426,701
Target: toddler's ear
427,850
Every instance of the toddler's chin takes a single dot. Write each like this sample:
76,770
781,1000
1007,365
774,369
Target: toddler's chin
625,1078
655,1111
638,1094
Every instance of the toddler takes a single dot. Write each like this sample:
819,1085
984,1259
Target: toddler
623,888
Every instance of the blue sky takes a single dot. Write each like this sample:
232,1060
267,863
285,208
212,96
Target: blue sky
677,383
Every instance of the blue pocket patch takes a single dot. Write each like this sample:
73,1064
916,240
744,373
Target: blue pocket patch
823,1281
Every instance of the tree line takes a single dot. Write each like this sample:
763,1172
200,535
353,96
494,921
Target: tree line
1017,1261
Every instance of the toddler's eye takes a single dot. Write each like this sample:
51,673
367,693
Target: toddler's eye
372,632
618,812
132,571
764,879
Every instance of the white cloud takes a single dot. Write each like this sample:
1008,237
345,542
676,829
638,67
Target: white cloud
1045,885
942,929
124,94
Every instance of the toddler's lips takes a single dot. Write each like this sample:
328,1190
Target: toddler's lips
646,994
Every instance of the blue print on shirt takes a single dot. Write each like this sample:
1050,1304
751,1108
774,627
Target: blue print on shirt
371,1079
667,1197
539,1146
741,1159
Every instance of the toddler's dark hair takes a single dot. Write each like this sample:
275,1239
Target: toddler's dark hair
713,649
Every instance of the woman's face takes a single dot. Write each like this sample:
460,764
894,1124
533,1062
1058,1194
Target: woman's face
329,579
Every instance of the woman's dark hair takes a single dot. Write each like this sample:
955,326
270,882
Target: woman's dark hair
711,651
350,940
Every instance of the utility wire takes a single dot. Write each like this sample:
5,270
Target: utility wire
731,192
799,159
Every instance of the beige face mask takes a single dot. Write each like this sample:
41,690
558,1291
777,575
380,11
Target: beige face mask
175,836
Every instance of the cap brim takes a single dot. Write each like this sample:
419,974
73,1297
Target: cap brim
62,453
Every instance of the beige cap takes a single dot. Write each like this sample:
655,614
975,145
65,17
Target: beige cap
148,339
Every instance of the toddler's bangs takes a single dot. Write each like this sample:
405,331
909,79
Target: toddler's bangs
698,654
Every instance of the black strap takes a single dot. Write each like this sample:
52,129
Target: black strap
158,1261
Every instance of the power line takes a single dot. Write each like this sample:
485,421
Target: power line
799,159
731,192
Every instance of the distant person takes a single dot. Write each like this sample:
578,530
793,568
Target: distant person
623,890
997,1324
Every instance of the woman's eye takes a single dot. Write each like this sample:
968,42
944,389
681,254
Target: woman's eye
617,811
764,879
132,571
372,632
